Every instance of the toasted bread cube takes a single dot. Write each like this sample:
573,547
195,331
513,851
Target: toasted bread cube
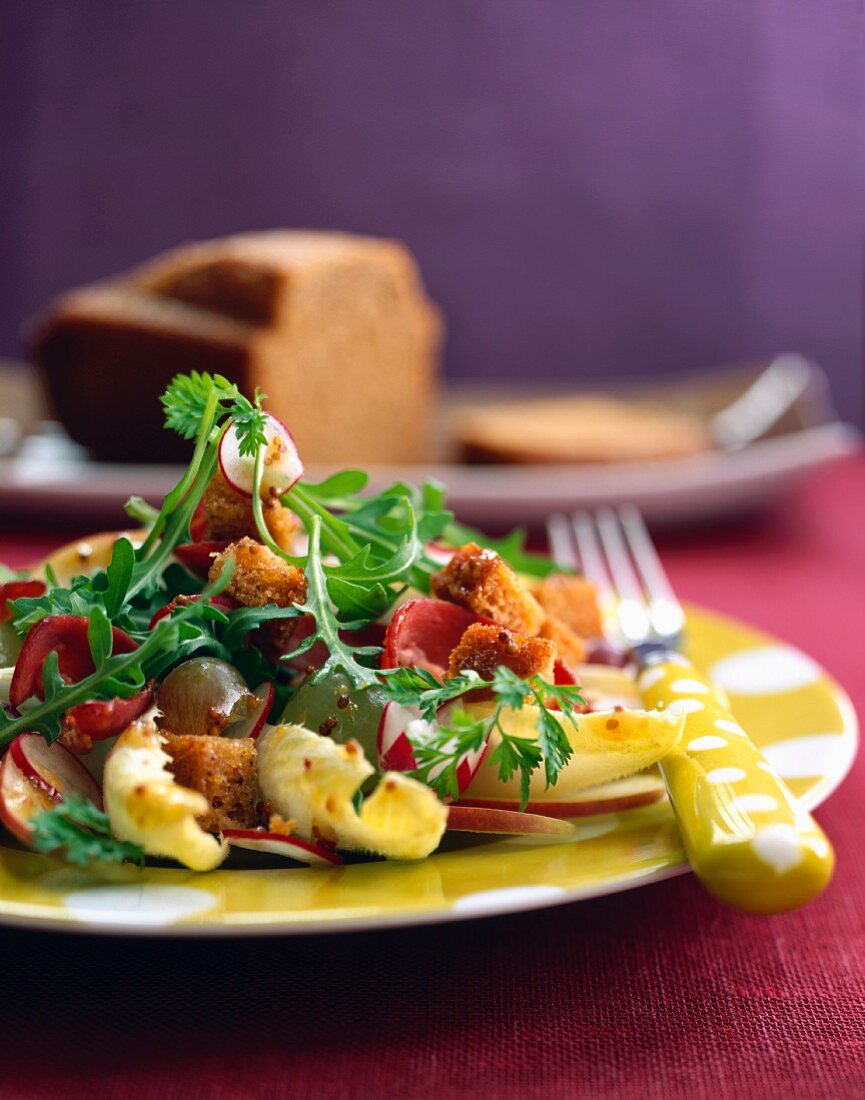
229,515
570,647
484,647
223,770
260,576
572,600
479,580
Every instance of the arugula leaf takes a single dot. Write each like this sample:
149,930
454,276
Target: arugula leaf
511,549
119,575
83,832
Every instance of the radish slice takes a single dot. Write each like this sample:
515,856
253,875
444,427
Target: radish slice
395,748
278,844
471,819
54,768
252,725
439,553
20,799
282,466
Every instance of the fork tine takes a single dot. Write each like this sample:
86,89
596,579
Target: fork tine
632,610
592,557
561,541
665,611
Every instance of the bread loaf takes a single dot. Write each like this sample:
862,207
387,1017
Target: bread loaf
337,330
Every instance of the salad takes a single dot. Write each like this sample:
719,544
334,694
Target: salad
307,670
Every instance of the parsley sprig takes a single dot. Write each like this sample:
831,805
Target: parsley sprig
439,747
83,833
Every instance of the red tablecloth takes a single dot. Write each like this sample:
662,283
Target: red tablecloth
659,992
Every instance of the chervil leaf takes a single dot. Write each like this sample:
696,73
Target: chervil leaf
83,832
185,401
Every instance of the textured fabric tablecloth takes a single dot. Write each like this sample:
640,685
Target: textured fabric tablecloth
658,992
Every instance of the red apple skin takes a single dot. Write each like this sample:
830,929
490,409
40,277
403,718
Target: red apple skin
584,808
485,819
20,799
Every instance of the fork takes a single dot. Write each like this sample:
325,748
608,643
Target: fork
744,834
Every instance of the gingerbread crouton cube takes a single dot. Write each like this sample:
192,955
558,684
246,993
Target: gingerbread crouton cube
573,601
223,769
479,580
229,515
260,576
570,647
483,647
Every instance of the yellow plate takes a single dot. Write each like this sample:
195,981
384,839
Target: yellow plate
799,717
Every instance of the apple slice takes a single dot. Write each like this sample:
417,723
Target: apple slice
278,844
609,798
282,466
53,767
253,723
484,819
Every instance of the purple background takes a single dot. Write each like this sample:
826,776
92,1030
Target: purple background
593,188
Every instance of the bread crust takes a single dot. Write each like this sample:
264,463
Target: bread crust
229,515
479,580
570,647
223,769
573,601
483,647
260,576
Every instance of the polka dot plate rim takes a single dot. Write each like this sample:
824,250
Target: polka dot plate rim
799,716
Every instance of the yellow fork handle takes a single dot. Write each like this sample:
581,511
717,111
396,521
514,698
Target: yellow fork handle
748,841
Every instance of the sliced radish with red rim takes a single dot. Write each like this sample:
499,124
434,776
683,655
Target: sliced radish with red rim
54,768
281,468
472,819
252,724
278,844
394,744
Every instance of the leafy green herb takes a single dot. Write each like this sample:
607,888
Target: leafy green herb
440,747
511,549
83,832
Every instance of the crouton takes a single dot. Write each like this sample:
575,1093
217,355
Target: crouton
572,600
479,580
259,576
483,647
570,647
229,515
223,769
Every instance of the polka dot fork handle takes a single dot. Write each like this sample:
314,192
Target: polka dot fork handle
747,839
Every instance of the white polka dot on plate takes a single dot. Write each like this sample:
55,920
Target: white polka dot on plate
778,846
133,905
768,670
685,706
702,744
755,803
725,775
689,687
650,677
816,754
729,727
508,899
